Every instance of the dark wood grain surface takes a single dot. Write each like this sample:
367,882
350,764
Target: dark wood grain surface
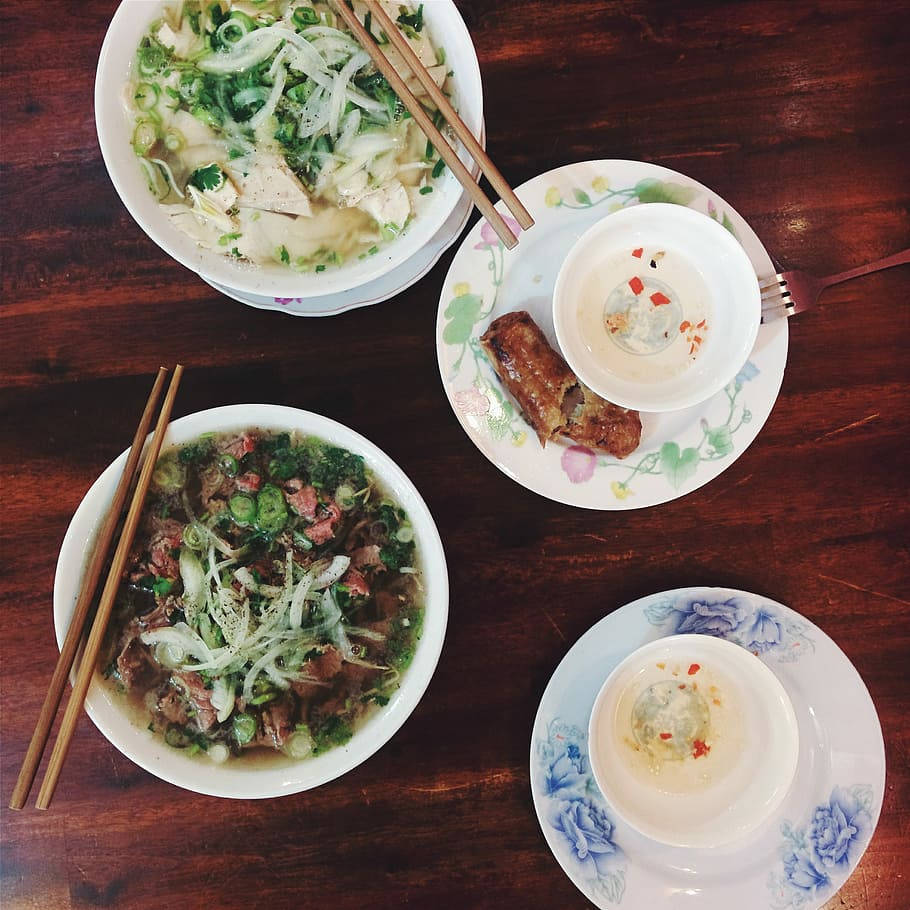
797,113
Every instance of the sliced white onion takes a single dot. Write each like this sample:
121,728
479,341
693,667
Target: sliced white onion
295,616
222,699
180,636
336,569
170,176
251,49
340,86
258,666
271,102
193,576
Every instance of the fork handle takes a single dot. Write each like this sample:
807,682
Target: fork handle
901,258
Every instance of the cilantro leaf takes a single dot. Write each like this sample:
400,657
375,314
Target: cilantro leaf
209,177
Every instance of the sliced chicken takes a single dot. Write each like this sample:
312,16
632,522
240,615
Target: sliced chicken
388,205
271,186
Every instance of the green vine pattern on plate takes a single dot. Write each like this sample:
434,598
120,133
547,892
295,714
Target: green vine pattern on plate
484,403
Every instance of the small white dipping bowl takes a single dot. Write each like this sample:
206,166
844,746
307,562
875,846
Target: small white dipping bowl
272,776
708,797
117,56
699,272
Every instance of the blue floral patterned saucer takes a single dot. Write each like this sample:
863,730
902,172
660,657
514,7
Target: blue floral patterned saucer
803,854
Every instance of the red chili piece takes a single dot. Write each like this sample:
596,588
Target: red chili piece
659,299
693,669
637,254
636,285
699,748
666,736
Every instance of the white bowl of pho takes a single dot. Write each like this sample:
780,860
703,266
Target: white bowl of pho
282,610
257,144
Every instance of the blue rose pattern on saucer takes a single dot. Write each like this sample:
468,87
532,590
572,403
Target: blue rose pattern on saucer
756,625
819,856
577,811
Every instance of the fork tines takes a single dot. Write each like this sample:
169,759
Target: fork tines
776,299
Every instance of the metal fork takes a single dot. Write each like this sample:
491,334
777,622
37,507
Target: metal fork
788,293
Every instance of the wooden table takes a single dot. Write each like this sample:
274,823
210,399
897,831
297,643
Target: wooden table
794,112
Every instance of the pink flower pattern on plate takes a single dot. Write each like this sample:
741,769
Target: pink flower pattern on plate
472,402
488,236
578,462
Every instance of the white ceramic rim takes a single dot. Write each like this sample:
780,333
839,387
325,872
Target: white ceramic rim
197,774
666,395
115,59
773,691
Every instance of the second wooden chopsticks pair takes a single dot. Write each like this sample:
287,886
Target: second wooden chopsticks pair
425,122
74,635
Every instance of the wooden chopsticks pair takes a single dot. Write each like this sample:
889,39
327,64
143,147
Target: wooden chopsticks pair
446,152
74,635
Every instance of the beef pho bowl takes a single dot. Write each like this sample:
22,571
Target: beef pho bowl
258,145
282,609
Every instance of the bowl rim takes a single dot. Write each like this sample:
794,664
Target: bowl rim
775,690
282,777
747,325
272,279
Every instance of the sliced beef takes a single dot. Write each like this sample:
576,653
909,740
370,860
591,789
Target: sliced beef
172,707
356,583
302,499
199,697
248,483
367,558
136,665
278,721
324,529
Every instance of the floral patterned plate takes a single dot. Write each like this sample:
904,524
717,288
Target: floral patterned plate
679,451
809,847
383,288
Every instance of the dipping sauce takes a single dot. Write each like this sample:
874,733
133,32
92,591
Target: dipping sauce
644,314
680,729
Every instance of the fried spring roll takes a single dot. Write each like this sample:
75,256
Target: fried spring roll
536,376
554,402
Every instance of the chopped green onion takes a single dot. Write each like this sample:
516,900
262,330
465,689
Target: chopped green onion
174,140
283,254
425,190
243,508
163,586
273,510
244,728
144,137
194,537
229,465
304,16
439,168
147,94
345,497
302,541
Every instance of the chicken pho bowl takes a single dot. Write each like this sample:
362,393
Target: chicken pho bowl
281,610
257,144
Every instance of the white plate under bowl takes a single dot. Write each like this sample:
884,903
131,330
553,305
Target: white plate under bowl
118,51
719,264
383,288
800,857
278,777
680,450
